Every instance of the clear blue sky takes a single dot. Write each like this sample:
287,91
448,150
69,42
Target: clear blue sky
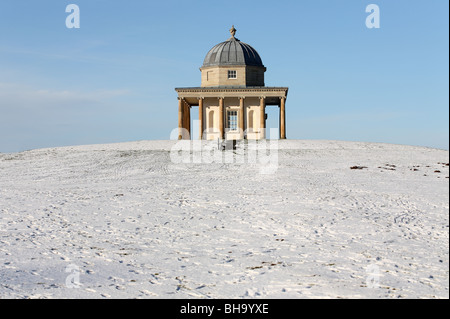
113,79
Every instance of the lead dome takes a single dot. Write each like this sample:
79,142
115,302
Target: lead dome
232,52
232,63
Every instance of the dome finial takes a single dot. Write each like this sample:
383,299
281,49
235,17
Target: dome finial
233,31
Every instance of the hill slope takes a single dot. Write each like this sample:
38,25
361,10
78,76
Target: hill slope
329,219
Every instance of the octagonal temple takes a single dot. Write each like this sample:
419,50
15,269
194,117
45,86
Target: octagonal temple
232,97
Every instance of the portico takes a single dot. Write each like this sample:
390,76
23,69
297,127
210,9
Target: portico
230,113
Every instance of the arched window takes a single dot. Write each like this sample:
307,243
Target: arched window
211,121
250,121
232,120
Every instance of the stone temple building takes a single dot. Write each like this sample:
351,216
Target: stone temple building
232,97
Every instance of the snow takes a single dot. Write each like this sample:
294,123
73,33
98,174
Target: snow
126,221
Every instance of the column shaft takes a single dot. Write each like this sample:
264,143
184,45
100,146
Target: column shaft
180,119
184,120
241,118
188,120
200,118
262,124
283,118
221,119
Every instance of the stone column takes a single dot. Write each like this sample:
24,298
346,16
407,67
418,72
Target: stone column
180,118
200,118
184,120
188,120
221,118
283,118
184,115
241,118
262,123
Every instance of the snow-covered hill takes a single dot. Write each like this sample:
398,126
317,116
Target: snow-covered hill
330,219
